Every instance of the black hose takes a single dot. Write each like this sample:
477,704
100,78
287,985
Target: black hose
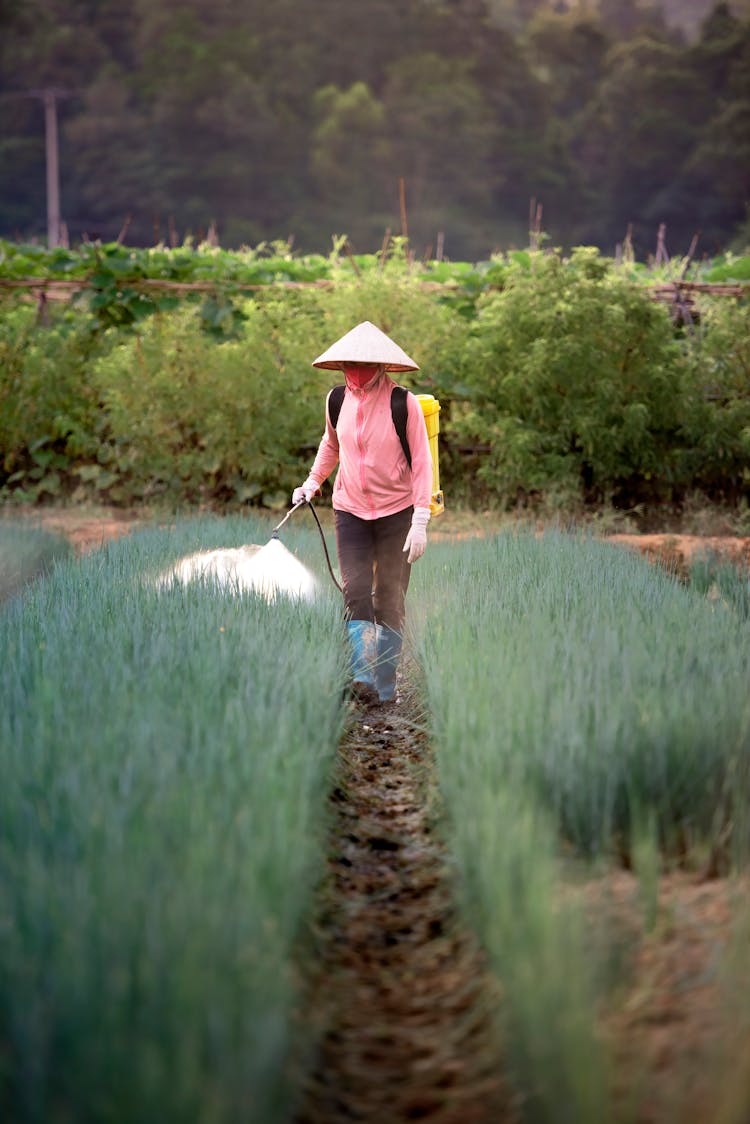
325,547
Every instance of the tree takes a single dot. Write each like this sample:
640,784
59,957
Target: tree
567,53
635,135
347,161
717,172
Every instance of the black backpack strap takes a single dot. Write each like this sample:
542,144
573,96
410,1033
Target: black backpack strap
399,415
335,401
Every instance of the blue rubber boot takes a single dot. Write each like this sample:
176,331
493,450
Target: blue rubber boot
364,650
389,654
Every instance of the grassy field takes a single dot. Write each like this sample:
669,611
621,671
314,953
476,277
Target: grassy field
586,709
165,760
27,552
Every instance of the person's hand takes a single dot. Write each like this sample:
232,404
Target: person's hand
416,540
306,491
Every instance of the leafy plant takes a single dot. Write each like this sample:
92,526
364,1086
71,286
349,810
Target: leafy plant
576,384
718,429
561,382
48,411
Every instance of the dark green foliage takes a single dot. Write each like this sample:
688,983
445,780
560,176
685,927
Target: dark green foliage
575,381
48,413
718,431
177,118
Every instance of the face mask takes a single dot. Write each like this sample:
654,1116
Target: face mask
361,375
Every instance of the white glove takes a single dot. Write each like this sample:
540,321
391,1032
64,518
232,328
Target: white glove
306,491
416,540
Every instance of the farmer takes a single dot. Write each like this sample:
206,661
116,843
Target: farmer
381,505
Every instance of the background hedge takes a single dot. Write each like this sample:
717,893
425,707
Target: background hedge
567,384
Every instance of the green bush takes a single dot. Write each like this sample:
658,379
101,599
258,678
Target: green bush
48,411
190,418
719,429
576,383
570,385
170,410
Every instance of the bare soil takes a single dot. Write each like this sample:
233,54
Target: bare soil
89,527
85,528
403,999
680,1048
679,552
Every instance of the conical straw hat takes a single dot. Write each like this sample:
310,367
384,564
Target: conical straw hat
366,344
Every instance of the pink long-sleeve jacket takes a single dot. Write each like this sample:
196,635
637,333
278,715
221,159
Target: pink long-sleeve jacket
374,479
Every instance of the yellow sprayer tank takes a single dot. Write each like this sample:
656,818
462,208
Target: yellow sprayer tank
431,410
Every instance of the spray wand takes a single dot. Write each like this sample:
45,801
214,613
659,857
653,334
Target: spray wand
289,514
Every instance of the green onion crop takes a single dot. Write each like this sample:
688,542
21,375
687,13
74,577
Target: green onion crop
165,759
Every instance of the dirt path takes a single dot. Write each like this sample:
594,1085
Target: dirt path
402,995
679,552
85,528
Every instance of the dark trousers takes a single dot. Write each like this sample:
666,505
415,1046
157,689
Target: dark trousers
374,570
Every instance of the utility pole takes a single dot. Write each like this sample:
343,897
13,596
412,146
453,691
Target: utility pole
49,96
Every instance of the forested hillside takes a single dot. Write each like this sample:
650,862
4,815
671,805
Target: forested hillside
299,120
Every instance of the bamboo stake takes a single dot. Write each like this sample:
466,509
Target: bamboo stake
535,223
628,244
42,310
124,229
682,305
402,203
661,245
384,248
350,255
690,254
663,291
